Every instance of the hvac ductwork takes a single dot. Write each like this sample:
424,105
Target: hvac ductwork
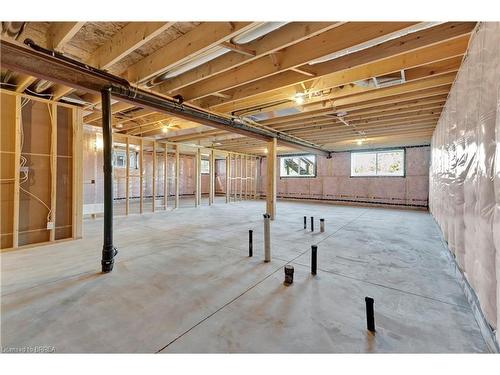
215,52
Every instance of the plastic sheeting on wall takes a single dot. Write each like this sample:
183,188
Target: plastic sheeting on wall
465,169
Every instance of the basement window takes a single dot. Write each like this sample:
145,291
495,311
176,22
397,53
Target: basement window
120,161
298,166
205,166
384,163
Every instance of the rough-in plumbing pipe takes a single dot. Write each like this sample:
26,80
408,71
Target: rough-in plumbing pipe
267,238
321,225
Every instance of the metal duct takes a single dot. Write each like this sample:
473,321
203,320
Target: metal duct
13,29
397,34
215,52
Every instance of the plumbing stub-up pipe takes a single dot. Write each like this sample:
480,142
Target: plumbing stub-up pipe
288,275
312,223
321,225
305,222
250,243
267,237
370,318
314,259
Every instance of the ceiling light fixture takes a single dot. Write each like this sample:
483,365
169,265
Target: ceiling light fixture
298,98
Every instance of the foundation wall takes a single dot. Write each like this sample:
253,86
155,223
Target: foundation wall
465,169
333,181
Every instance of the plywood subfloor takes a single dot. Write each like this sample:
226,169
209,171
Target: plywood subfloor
183,283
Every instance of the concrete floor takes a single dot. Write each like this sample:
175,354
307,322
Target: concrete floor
183,283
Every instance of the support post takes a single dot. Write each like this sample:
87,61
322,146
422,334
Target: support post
165,176
197,179
141,176
228,177
370,316
241,177
271,178
108,250
177,175
211,188
314,259
127,176
154,177
267,238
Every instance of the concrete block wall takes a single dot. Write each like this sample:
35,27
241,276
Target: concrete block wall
333,181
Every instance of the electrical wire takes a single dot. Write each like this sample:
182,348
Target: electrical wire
23,161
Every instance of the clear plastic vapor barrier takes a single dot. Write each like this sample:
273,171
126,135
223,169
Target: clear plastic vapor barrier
464,194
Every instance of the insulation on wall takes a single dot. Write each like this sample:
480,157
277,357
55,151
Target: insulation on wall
37,183
465,169
333,181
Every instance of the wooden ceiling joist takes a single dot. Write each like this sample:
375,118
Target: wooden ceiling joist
199,40
60,33
336,39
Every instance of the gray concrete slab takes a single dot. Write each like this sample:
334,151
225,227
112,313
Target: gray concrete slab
183,283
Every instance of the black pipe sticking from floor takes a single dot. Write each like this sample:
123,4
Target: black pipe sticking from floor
312,224
314,259
370,317
250,243
108,250
305,222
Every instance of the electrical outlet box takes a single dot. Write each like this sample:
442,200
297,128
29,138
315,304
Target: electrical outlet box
50,225
24,169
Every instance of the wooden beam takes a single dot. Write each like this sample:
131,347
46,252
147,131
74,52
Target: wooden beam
238,48
117,107
126,40
23,81
141,176
60,33
331,41
58,91
285,36
271,178
199,40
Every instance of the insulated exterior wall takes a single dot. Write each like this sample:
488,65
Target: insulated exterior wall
465,169
333,181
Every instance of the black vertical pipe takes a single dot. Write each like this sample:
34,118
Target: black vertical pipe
370,317
312,224
314,259
305,222
108,250
250,243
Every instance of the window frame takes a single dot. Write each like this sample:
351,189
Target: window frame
201,168
315,172
378,150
